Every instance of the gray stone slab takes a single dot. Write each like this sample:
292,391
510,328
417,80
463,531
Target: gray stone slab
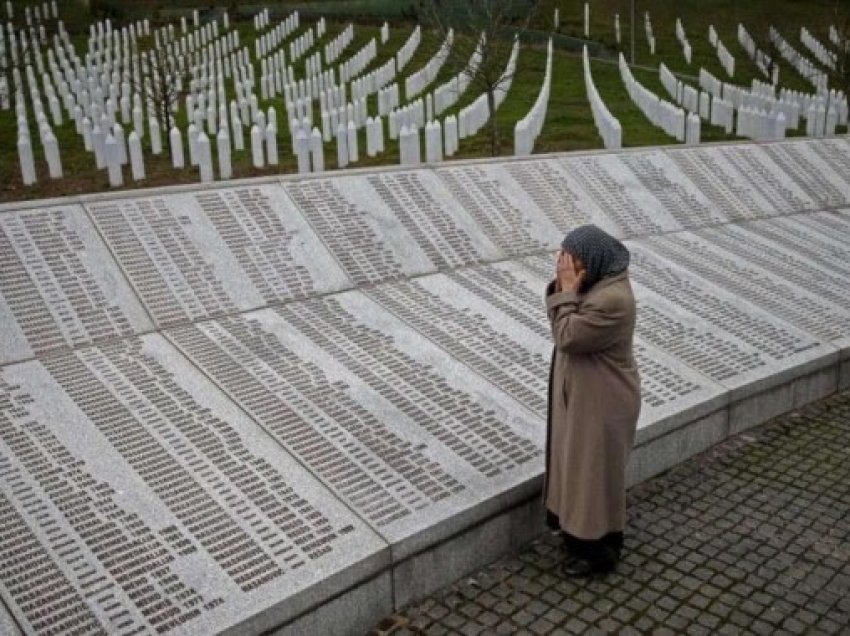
556,194
59,287
758,408
191,256
835,152
801,235
8,626
721,356
678,196
782,262
354,612
510,351
481,545
410,438
734,344
788,302
721,183
503,209
805,167
663,452
621,196
764,176
151,502
389,224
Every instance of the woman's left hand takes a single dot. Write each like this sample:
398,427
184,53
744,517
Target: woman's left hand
569,277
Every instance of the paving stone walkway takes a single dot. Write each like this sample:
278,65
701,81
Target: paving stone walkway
752,537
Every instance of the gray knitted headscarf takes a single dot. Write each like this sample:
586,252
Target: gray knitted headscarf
601,253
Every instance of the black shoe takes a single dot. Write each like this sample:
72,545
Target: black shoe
576,568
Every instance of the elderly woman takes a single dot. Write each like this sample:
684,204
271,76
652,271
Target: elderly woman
594,398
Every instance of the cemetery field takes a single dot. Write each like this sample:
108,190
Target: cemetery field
568,123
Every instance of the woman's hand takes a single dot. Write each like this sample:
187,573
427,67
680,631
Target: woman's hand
568,275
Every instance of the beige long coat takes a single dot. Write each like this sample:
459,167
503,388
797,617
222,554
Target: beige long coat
594,402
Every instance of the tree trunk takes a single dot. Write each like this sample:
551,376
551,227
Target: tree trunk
494,127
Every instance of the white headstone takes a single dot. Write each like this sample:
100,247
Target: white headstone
450,133
193,144
433,142
156,136
409,146
98,140
353,153
120,140
271,144
317,151
87,141
225,168
26,158
341,146
302,151
137,162
113,162
257,147
175,139
204,157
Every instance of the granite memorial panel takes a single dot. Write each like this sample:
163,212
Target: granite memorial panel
59,287
196,255
390,224
405,435
140,499
767,178
734,272
727,188
617,192
679,197
815,176
555,193
501,209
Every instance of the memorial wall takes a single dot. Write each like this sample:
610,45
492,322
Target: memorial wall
222,409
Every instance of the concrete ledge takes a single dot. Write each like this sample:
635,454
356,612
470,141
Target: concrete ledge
844,375
664,452
759,408
353,612
427,571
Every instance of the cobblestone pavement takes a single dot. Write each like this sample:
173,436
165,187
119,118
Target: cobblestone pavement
751,537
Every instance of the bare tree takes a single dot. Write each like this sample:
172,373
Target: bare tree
161,84
841,24
492,26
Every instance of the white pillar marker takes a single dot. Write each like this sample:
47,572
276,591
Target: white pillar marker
225,168
113,162
26,159
176,142
271,144
51,154
257,147
317,151
204,158
156,136
351,142
118,133
137,162
341,146
87,141
138,121
302,151
193,144
98,141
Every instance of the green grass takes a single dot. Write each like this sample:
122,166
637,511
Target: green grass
568,125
